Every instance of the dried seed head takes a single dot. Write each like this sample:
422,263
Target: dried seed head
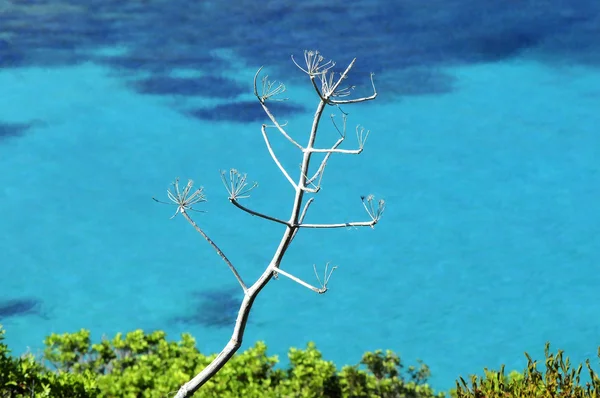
314,65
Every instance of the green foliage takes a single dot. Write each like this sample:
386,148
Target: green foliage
135,365
559,380
26,377
384,379
147,365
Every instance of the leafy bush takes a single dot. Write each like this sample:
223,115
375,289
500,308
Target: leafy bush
147,365
26,377
559,380
142,364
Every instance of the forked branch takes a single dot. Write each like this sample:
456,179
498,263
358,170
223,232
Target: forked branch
328,86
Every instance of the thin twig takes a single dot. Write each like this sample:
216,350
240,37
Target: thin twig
356,100
302,215
255,213
341,225
214,245
323,284
321,169
306,206
262,100
285,173
280,127
332,150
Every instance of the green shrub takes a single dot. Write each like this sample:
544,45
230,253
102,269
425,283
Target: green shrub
147,365
559,380
26,377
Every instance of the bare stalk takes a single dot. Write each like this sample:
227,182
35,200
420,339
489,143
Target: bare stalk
237,186
216,248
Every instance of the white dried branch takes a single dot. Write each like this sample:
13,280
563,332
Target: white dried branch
321,169
356,100
318,174
184,200
262,100
331,87
217,249
315,68
341,225
362,139
302,216
368,203
315,188
322,284
305,210
275,159
335,150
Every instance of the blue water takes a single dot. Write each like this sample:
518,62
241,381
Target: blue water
484,144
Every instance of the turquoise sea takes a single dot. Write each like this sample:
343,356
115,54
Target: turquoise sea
484,143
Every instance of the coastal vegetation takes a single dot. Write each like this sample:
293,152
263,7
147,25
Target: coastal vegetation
139,364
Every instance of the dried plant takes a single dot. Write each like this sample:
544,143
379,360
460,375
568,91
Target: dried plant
330,93
559,379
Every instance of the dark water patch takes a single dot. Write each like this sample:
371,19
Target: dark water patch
8,130
10,55
576,44
138,61
72,33
246,111
20,307
503,45
208,86
147,59
212,308
389,35
36,27
383,35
